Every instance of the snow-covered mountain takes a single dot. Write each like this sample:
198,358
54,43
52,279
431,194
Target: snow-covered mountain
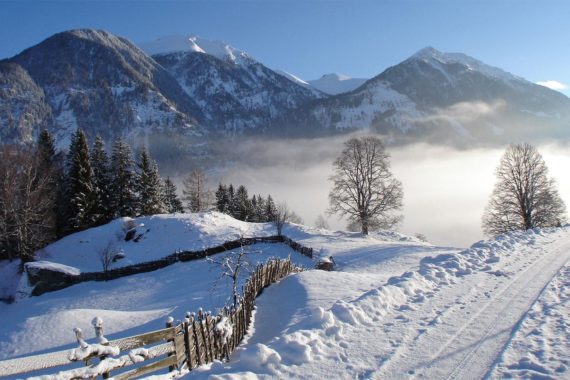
104,84
440,97
193,91
236,93
334,84
23,106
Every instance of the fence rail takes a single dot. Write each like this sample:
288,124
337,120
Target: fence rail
66,280
201,338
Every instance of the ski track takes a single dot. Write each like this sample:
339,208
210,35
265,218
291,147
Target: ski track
466,350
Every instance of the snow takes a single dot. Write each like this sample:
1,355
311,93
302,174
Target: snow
374,100
186,232
449,317
54,267
393,307
224,329
174,44
435,57
292,77
335,84
539,348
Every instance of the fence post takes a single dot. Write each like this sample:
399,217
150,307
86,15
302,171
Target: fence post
97,323
186,327
204,340
170,323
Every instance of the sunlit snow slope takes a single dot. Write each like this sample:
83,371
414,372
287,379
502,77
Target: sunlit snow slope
455,315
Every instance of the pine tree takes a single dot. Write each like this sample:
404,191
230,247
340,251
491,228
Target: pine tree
232,209
150,199
50,167
170,198
270,210
123,193
80,190
242,204
46,151
254,216
260,211
102,179
222,199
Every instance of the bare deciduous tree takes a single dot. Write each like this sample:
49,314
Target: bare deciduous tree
26,204
107,255
524,197
282,216
232,264
364,189
196,193
321,222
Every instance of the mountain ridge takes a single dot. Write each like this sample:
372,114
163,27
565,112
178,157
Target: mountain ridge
202,90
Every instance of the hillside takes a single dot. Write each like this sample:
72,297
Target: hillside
389,302
455,315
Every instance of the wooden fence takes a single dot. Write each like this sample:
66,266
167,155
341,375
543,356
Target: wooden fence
65,280
201,338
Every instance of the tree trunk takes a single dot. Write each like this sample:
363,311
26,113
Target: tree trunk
364,226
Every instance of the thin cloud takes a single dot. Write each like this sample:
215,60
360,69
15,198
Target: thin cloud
463,112
553,85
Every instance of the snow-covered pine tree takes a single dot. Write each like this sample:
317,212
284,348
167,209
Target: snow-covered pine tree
232,209
80,189
260,211
242,204
149,185
270,209
123,193
253,214
102,179
222,199
170,198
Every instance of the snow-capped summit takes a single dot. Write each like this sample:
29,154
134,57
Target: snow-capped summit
173,44
435,57
292,77
334,83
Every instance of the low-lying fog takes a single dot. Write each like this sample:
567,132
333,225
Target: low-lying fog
445,189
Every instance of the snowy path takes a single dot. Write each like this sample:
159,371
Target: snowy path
469,330
450,319
539,349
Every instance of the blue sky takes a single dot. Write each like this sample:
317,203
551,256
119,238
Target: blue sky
310,38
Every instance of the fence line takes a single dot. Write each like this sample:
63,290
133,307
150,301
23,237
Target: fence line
200,339
66,280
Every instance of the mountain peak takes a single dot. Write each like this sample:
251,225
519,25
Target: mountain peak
335,77
334,83
435,57
427,52
175,44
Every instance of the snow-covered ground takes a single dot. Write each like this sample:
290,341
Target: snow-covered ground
539,349
449,317
395,307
